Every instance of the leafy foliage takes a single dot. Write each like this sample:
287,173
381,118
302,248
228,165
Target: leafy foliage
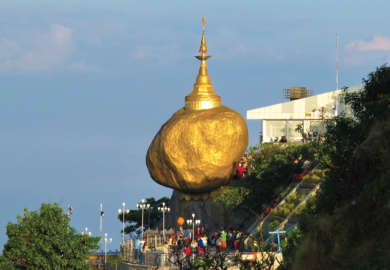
345,134
115,260
286,208
6,264
352,210
212,260
316,176
234,195
44,240
289,248
274,225
271,167
222,260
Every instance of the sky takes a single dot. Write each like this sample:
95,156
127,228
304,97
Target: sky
85,85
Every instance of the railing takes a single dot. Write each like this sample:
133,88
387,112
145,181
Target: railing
303,202
149,258
254,226
160,259
260,224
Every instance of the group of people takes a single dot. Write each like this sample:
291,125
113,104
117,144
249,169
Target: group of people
224,240
189,243
301,168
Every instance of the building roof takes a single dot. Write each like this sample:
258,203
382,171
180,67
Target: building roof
305,108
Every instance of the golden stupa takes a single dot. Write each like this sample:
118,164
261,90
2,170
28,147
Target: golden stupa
199,147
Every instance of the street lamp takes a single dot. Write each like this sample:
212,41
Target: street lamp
123,211
192,221
197,222
143,205
164,209
70,210
101,225
86,232
106,241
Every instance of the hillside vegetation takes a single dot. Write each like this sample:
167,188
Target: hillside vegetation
270,177
346,226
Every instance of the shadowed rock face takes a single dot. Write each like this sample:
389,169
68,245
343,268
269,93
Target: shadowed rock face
214,215
196,151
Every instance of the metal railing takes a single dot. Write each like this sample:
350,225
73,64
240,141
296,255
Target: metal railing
252,229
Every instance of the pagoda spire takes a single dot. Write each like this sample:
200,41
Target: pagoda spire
203,95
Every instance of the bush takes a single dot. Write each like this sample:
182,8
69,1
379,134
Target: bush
271,167
288,206
274,225
290,245
315,177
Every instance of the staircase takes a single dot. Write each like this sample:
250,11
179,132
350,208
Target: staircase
291,221
284,215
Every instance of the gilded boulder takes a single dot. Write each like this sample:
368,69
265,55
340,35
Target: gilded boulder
196,151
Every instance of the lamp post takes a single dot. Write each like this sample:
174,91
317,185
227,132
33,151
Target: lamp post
86,232
192,221
324,114
106,241
123,211
70,210
101,225
143,205
164,209
197,222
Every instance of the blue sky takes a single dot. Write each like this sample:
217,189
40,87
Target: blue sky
85,85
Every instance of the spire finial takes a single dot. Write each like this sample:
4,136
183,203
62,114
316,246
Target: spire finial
203,95
203,46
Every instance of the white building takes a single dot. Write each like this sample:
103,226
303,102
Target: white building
282,119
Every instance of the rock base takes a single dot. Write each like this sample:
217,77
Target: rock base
213,215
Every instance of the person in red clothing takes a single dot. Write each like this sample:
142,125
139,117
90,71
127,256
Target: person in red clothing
198,233
240,171
200,247
187,251
274,204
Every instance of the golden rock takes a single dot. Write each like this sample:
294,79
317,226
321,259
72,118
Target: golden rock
197,151
199,147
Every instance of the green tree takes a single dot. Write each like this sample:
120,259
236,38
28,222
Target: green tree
43,240
346,227
6,264
115,260
345,134
151,216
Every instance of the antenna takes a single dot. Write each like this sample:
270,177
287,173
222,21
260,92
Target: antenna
337,62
